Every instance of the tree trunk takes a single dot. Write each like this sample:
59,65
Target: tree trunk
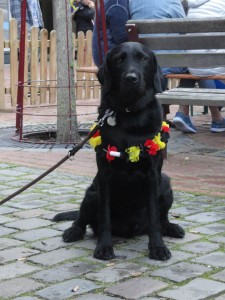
67,129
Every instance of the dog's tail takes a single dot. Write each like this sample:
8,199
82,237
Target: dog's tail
66,216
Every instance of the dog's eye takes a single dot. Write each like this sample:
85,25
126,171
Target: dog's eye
118,59
143,59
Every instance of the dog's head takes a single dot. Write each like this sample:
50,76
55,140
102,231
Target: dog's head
129,71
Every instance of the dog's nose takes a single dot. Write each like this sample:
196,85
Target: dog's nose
132,77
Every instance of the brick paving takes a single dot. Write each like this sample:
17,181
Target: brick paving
36,264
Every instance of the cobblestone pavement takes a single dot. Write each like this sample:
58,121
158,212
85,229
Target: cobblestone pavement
36,264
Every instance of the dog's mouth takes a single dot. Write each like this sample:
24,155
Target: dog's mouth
135,101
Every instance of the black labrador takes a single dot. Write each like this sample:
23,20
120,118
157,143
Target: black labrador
129,195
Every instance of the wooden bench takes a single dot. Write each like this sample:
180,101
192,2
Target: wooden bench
184,34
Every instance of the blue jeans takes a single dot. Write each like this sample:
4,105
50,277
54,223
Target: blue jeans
204,84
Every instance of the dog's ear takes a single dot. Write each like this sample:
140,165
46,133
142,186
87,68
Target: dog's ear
100,75
158,76
103,74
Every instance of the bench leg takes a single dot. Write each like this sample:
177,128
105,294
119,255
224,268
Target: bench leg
206,110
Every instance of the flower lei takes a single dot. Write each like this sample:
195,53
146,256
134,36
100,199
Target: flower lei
133,152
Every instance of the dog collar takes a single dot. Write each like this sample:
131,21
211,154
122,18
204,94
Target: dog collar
133,153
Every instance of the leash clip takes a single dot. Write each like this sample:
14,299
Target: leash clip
71,157
107,114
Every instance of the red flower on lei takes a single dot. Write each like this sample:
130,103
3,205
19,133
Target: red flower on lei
152,147
97,133
165,127
108,156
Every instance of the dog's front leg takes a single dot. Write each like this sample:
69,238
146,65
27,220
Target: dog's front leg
157,248
104,249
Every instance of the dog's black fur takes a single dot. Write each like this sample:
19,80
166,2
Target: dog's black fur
127,198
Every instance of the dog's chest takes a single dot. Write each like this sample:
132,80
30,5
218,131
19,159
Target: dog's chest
127,181
122,137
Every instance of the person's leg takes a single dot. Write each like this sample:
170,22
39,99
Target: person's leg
218,122
216,114
182,120
165,71
185,83
220,84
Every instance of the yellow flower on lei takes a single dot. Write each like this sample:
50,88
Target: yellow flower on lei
133,153
165,126
157,141
96,139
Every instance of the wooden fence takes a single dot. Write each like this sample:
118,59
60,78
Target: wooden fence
42,87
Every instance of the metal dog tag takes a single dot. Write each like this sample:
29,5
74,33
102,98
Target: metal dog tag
111,121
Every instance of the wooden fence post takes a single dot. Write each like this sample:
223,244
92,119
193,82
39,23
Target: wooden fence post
2,86
34,66
80,63
43,65
52,68
13,61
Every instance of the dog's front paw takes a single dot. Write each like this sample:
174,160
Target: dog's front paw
173,230
159,253
104,252
73,234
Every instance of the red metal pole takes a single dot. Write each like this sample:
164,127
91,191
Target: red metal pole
19,107
98,31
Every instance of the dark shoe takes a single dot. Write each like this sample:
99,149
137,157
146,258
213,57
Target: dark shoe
218,126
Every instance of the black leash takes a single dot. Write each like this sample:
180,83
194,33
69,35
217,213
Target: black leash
72,152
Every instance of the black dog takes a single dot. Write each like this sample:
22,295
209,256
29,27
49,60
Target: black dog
129,195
